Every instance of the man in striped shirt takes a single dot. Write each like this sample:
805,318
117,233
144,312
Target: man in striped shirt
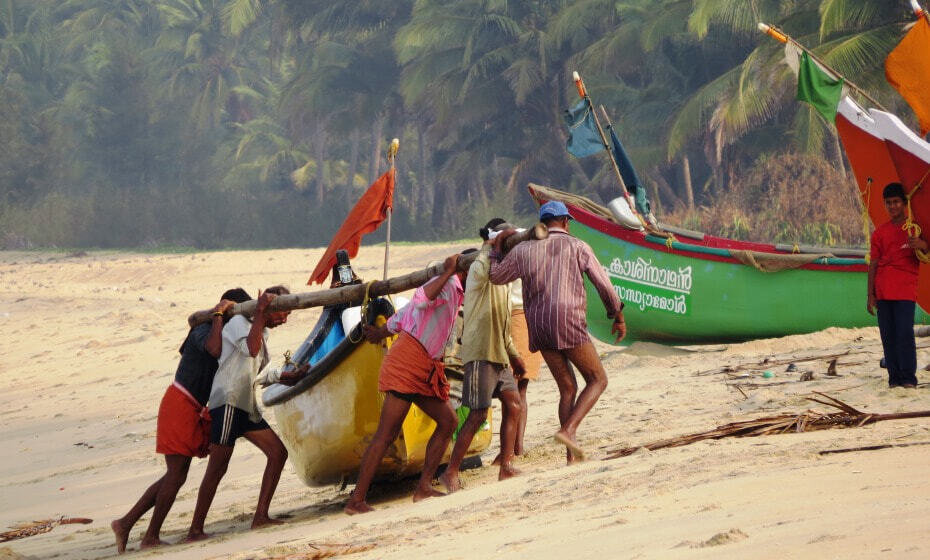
554,302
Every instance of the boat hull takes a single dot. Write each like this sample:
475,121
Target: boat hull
691,293
327,427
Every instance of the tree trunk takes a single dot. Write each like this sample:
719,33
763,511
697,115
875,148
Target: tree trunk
439,206
319,152
686,173
840,162
374,164
355,140
424,194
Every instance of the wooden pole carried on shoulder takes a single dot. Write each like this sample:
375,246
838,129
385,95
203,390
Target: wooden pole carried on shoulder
354,294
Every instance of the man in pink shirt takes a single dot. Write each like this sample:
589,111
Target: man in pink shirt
412,373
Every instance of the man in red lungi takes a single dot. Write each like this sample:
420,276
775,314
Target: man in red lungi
412,373
183,422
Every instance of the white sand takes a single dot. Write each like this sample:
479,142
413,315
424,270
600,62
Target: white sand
90,343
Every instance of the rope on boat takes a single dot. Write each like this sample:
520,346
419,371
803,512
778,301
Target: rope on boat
911,227
363,312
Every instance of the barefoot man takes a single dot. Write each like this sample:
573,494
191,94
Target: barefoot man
412,373
487,349
183,423
554,299
234,411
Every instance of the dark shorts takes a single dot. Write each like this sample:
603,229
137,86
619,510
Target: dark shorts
228,423
406,397
484,381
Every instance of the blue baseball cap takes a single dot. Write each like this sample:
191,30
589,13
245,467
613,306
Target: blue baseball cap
553,209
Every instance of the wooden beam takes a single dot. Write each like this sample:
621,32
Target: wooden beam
356,293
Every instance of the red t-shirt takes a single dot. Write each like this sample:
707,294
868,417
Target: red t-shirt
896,276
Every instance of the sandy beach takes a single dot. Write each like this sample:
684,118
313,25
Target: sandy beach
90,344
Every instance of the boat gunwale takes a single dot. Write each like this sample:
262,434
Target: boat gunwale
699,252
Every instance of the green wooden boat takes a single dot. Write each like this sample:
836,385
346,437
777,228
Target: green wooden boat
696,288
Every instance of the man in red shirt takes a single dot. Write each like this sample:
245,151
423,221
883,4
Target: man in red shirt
893,288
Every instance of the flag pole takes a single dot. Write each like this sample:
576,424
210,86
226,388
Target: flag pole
918,11
783,37
392,151
583,92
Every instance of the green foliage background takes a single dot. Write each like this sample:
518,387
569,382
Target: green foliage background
256,123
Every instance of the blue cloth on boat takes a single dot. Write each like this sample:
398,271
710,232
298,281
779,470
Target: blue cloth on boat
583,138
333,338
628,172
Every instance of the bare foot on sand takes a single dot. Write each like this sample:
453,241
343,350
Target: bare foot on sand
354,508
194,537
122,536
451,482
265,521
497,460
151,544
508,471
422,494
578,453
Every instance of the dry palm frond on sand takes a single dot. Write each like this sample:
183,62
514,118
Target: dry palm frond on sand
32,528
319,551
808,421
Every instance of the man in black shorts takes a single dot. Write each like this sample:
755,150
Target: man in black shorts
489,353
234,412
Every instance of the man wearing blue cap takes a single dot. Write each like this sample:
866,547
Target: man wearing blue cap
554,301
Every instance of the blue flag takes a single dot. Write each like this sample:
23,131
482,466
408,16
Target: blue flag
633,184
583,138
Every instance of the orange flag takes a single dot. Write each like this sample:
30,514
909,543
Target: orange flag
365,217
907,69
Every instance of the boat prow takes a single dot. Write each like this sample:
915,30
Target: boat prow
328,418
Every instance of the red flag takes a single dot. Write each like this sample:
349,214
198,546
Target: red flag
365,217
907,68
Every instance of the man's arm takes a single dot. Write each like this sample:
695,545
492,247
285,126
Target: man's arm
214,343
507,269
595,272
434,288
870,295
605,290
254,339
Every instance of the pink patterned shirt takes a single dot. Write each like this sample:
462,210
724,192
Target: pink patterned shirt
554,298
430,321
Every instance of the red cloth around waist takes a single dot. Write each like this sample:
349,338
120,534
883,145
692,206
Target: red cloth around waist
407,368
183,425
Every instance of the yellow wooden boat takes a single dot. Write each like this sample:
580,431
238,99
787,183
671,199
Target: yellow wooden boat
328,418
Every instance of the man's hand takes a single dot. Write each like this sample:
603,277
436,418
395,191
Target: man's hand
498,242
223,306
450,264
917,243
518,366
264,299
618,329
870,304
291,377
375,335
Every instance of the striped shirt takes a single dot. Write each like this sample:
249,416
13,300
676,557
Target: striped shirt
430,321
554,299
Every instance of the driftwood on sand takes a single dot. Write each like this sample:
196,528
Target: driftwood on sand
872,447
808,421
32,528
356,293
782,360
